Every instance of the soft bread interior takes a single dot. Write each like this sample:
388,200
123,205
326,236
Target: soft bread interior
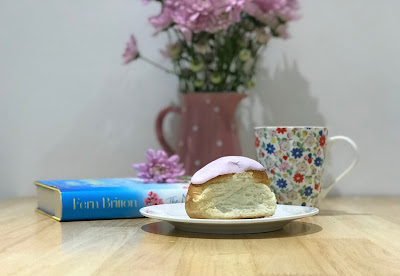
228,197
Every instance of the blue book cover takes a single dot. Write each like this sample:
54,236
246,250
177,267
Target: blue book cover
89,199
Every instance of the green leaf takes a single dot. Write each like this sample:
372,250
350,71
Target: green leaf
289,172
298,134
301,192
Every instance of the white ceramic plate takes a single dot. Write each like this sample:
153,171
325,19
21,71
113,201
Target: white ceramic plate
176,215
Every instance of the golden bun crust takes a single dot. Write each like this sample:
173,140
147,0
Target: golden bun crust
226,197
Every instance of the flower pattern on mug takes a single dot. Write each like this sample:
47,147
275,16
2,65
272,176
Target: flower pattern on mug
298,178
297,153
284,145
302,167
284,166
294,159
308,158
281,130
257,143
310,140
270,148
318,161
308,191
322,140
281,183
292,194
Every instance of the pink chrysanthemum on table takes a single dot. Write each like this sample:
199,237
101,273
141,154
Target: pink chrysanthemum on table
160,168
131,51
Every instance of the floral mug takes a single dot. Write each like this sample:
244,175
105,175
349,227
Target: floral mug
294,158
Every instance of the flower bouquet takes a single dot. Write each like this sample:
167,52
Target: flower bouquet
214,45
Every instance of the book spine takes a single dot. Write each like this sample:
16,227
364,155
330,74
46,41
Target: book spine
115,203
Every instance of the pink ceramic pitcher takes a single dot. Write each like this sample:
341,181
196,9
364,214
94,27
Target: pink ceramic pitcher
207,128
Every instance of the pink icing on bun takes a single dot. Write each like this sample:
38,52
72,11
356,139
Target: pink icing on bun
225,165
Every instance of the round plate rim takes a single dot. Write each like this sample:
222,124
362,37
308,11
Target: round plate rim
314,211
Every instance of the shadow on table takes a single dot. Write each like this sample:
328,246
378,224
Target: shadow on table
293,229
339,213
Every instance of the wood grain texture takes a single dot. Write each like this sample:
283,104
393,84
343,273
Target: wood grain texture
350,236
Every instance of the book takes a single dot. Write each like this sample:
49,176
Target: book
90,199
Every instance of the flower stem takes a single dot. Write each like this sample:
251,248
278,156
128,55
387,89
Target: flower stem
157,65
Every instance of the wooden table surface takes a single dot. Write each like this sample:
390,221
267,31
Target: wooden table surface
350,236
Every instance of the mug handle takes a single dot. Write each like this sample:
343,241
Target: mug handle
329,145
159,130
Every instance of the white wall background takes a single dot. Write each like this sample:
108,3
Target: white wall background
69,109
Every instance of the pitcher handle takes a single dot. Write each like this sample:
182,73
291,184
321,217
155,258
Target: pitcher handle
331,141
159,130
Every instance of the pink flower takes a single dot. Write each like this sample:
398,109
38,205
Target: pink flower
282,31
284,166
272,12
153,199
262,36
161,21
131,52
284,145
172,51
194,16
310,141
258,8
284,9
160,168
288,10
